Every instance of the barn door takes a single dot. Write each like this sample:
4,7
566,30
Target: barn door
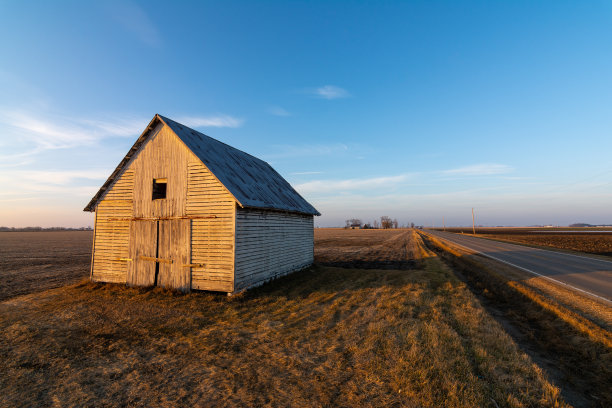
142,249
175,246
160,253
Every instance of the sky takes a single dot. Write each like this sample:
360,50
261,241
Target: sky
417,110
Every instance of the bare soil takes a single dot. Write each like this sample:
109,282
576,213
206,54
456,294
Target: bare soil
36,261
366,249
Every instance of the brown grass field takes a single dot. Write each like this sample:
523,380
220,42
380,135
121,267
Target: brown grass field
568,334
579,239
394,326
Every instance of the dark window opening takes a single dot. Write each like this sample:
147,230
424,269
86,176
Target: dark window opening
159,188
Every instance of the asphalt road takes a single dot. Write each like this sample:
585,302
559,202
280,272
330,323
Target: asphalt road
582,273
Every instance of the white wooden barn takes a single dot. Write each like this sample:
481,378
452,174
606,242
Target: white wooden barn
186,211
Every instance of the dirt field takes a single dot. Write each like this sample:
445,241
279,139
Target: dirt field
327,336
367,249
580,239
35,261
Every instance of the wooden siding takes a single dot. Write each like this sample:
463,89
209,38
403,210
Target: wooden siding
112,230
212,208
162,156
270,244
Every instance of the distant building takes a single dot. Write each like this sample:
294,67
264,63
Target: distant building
185,211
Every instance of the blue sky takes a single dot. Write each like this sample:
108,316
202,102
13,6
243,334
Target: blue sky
416,110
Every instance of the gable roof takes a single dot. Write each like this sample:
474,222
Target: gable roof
252,182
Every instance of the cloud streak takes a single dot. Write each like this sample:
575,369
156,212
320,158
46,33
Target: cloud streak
211,121
331,92
48,132
278,111
305,173
484,169
134,19
60,177
355,184
288,151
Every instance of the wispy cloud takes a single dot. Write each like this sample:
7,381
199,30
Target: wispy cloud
287,151
278,111
211,121
61,177
133,18
484,169
53,132
306,173
331,92
325,186
42,183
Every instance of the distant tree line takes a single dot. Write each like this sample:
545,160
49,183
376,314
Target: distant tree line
385,223
28,229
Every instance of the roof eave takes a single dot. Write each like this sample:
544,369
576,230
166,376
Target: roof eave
91,206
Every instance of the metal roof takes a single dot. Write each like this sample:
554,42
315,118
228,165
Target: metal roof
252,182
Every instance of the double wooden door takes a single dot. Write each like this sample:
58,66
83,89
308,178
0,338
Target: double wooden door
160,253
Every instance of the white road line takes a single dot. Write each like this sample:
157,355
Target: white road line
535,273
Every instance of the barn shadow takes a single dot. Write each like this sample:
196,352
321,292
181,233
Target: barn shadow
337,278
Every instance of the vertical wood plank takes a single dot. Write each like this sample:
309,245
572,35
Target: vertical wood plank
175,245
143,242
162,156
111,234
212,238
93,246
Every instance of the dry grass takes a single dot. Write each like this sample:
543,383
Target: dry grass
324,337
565,330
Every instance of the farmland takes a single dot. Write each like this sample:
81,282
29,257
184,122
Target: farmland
380,320
35,261
589,240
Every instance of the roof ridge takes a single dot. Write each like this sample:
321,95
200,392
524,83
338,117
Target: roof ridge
165,118
253,182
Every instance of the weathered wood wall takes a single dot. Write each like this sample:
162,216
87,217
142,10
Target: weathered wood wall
212,208
162,156
143,243
112,231
192,191
175,244
216,238
270,244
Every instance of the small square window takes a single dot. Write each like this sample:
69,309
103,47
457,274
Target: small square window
159,188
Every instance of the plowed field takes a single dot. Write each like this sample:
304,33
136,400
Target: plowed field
35,261
581,240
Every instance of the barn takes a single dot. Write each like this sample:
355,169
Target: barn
185,211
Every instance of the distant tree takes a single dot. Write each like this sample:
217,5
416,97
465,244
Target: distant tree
367,226
376,224
395,223
348,224
412,225
355,223
386,222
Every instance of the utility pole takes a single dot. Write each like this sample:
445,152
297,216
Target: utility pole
443,224
473,223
